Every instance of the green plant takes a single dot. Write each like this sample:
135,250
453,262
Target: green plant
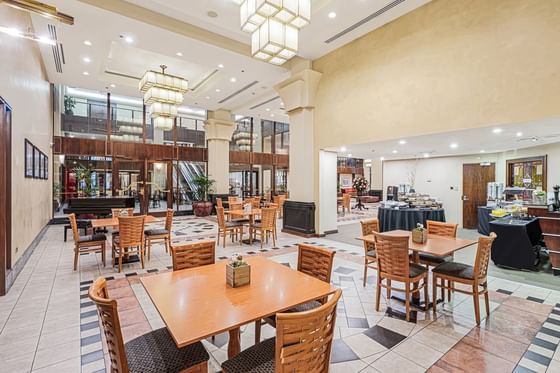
69,104
83,178
282,188
203,186
57,189
237,261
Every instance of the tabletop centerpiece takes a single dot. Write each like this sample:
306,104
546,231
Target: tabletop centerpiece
238,272
419,234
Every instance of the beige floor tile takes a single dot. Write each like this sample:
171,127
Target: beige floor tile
392,362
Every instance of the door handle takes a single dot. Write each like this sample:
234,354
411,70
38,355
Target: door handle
465,198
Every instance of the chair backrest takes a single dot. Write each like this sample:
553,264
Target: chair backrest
221,217
115,213
110,323
346,200
267,197
315,261
131,231
442,229
304,339
193,254
483,256
74,225
268,217
369,227
169,220
256,202
392,255
232,200
235,206
219,202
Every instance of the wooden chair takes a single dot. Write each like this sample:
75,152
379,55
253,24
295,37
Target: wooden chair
86,244
192,255
429,260
256,202
219,202
159,235
369,227
130,239
393,264
267,197
314,261
346,198
303,344
115,213
475,276
266,226
225,227
155,351
279,201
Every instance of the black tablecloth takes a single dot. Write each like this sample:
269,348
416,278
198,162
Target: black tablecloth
406,219
515,245
484,219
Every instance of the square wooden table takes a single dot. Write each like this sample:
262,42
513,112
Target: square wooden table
196,303
251,215
114,222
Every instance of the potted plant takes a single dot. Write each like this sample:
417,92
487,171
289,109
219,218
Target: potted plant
419,234
203,186
360,184
238,272
69,104
83,179
57,189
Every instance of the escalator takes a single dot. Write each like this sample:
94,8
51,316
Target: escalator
188,171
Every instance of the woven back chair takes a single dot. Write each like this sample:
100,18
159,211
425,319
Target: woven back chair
279,201
442,229
193,254
159,235
115,213
95,243
236,206
109,317
346,198
169,220
304,339
315,261
256,202
232,200
220,215
267,197
266,227
219,202
475,276
131,238
224,227
369,227
393,265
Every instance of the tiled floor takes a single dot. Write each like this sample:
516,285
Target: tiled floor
49,325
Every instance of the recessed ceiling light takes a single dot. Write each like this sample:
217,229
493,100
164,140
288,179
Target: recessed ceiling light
519,134
497,130
267,109
381,158
218,90
343,149
129,39
113,85
87,59
233,79
272,115
207,97
179,54
483,151
332,15
349,155
85,73
454,145
426,155
221,66
87,42
395,151
402,142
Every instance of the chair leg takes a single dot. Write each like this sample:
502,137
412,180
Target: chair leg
149,249
218,238
273,239
476,304
103,253
407,300
426,297
258,325
434,292
442,282
225,237
76,254
365,271
120,261
388,291
486,300
378,292
262,238
241,236
142,256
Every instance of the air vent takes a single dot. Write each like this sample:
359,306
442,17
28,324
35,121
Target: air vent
58,54
264,103
381,11
122,75
238,92
204,80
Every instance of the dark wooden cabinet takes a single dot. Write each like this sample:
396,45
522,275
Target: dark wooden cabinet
550,226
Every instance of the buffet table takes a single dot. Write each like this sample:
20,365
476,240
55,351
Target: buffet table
484,219
515,246
406,218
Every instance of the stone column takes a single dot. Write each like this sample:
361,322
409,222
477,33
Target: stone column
219,128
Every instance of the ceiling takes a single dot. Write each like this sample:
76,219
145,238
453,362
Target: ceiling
472,141
220,75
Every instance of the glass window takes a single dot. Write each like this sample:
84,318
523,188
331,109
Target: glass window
242,138
282,139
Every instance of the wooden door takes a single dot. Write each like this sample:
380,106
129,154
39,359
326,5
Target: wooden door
5,192
475,186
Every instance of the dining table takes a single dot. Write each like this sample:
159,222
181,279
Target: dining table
197,303
114,222
250,214
435,245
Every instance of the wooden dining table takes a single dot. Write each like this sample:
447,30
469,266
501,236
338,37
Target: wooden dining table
196,303
436,245
245,213
114,222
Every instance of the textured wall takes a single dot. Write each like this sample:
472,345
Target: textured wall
449,65
24,87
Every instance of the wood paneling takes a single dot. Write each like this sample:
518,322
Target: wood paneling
350,170
475,182
550,226
240,157
192,154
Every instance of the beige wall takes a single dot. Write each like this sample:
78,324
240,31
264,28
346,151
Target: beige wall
24,87
449,65
448,185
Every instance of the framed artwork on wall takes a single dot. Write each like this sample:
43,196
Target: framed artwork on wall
28,159
36,163
45,167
